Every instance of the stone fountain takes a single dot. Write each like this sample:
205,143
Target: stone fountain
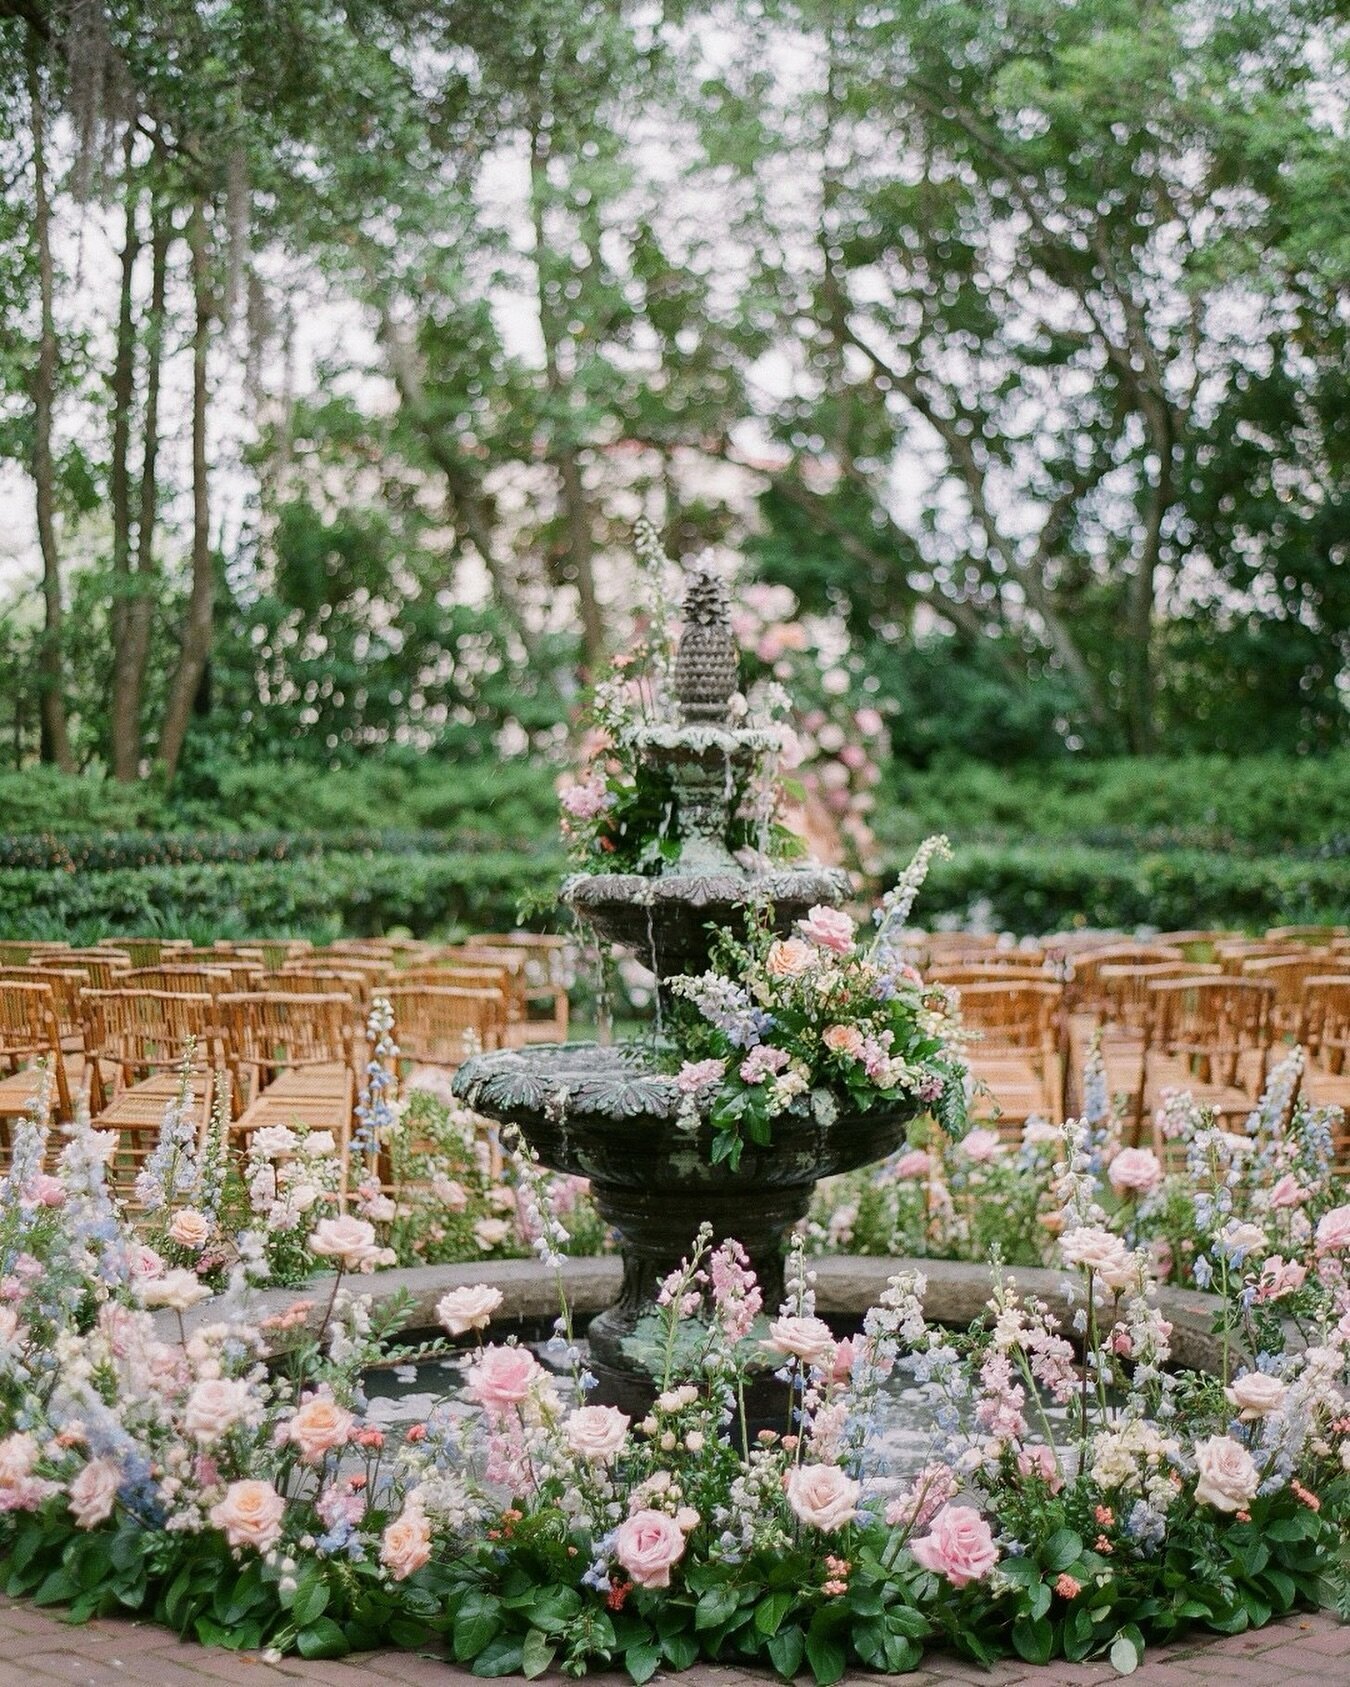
612,1113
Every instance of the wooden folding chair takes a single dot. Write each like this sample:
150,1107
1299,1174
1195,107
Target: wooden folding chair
1122,1019
293,1057
103,965
1288,974
1210,1036
299,980
981,972
1019,1055
540,964
137,1043
1233,956
1325,1034
193,980
438,1026
29,1031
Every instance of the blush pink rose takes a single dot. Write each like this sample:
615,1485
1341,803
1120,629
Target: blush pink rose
406,1543
503,1377
916,1163
827,928
959,1546
1288,1192
648,1545
1256,1396
462,1310
190,1229
981,1145
1135,1171
807,1339
349,1241
789,958
597,1433
214,1407
1333,1231
93,1493
319,1426
823,1496
250,1514
1039,1461
1227,1477
1280,1277
843,1039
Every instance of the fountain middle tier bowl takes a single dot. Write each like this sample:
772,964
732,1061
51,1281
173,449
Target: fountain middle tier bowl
666,920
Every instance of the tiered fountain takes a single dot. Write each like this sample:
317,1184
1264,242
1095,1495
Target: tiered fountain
609,1113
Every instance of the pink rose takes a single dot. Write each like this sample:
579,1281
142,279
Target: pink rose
844,1355
1039,1461
823,1496
1280,1278
349,1241
959,1546
981,1145
250,1514
1333,1231
1228,1479
462,1310
406,1543
916,1163
453,1196
190,1229
215,1406
93,1493
490,1233
827,928
807,1339
647,1545
1288,1192
1256,1396
1095,1249
1135,1171
502,1377
789,958
597,1433
319,1426
843,1039
46,1191
696,1075
144,1261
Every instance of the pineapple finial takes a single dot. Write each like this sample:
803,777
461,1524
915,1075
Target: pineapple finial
706,660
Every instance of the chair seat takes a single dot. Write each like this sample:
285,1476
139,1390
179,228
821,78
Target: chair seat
17,1092
137,1114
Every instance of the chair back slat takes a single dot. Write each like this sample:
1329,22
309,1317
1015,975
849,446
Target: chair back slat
1210,1023
439,1026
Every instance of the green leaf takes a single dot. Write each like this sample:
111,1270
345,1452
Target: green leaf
502,1656
310,1602
715,1607
787,1648
476,1624
1062,1549
1124,1655
825,1655
771,1610
1034,1639
321,1639
642,1662
536,1654
679,1649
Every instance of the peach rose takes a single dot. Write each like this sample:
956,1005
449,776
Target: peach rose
1256,1395
461,1310
190,1229
214,1407
1095,1249
647,1545
789,958
349,1241
502,1377
958,1546
823,1496
1135,1171
406,1543
827,928
807,1339
1333,1231
250,1514
318,1426
843,1039
597,1433
93,1493
1228,1479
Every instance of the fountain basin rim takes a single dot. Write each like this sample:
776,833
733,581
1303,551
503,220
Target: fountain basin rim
737,888
847,1285
703,738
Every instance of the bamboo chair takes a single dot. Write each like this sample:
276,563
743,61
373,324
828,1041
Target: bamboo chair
293,1060
298,980
68,985
245,967
1122,1020
1233,956
178,980
1210,1036
136,1044
1320,937
1019,1056
1325,1034
1288,973
1197,945
104,966
980,972
543,984
147,951
17,952
438,1026
29,1032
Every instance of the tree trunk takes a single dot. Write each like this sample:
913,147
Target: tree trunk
129,687
1140,728
195,644
55,736
122,734
563,454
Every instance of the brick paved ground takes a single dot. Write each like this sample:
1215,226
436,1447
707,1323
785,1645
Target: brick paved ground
37,1647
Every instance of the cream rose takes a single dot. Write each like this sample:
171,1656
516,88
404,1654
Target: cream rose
178,1290
648,1545
349,1241
406,1543
462,1310
190,1229
807,1339
319,1426
93,1493
490,1233
214,1407
250,1514
597,1433
1227,1477
1256,1395
823,1496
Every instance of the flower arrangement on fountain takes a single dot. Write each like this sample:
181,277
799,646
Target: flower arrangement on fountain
817,1020
1076,1496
